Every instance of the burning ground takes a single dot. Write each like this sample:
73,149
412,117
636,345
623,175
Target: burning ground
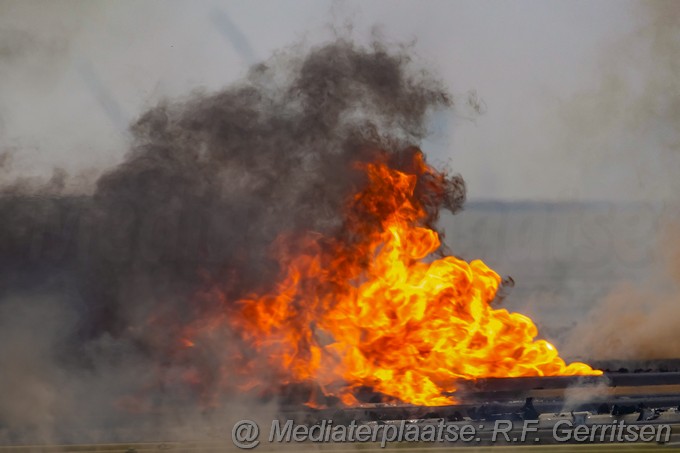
277,235
366,309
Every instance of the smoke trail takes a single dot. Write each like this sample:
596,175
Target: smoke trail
208,184
104,97
233,35
637,321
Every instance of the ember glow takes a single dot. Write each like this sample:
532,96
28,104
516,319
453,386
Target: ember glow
377,307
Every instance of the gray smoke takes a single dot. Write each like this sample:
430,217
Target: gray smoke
95,289
637,320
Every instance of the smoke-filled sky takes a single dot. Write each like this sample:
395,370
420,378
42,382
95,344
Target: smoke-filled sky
576,97
551,101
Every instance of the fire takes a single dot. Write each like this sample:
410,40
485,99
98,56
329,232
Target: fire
375,308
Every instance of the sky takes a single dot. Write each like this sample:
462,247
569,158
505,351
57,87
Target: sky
578,99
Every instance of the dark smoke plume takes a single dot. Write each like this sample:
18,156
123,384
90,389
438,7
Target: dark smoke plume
210,181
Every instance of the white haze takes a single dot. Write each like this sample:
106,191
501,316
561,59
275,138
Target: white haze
556,81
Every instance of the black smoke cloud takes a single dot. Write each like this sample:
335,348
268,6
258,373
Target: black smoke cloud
104,281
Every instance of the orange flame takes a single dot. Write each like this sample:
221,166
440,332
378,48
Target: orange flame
375,309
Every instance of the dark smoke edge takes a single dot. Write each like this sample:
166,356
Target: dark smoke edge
209,183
